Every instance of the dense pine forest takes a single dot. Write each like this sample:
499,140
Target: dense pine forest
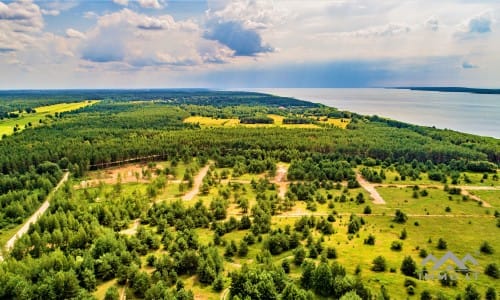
281,212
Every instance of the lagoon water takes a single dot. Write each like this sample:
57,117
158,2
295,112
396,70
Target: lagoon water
471,113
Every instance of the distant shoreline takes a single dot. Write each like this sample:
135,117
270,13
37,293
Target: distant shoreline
452,90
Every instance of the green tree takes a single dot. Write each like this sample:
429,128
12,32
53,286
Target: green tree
471,293
112,293
408,266
322,280
379,264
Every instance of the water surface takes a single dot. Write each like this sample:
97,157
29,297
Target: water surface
471,113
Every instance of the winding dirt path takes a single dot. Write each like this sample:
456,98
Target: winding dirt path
34,217
370,188
198,180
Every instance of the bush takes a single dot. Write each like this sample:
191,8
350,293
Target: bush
410,282
486,248
425,295
379,264
422,253
408,266
370,240
331,253
491,294
442,245
400,217
367,210
218,284
492,270
396,246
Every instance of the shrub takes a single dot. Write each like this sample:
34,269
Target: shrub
367,210
370,240
492,270
331,253
400,217
442,245
408,266
396,246
379,264
486,248
422,253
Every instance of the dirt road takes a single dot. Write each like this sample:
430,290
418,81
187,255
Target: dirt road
198,180
34,217
377,199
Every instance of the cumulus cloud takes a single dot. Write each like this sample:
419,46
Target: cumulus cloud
244,41
74,34
139,40
24,15
252,14
121,2
475,25
156,4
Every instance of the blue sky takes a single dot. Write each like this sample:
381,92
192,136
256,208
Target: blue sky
248,43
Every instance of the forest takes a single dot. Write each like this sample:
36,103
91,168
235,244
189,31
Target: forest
242,236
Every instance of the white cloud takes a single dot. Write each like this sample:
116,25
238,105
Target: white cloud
390,29
50,12
156,4
121,2
90,15
432,23
478,24
75,34
139,41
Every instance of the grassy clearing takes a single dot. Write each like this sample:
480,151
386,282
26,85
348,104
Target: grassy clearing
463,234
490,196
340,123
212,122
35,119
435,203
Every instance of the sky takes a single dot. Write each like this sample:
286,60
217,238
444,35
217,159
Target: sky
57,44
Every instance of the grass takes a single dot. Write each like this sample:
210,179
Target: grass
490,196
213,122
42,112
340,123
463,235
435,203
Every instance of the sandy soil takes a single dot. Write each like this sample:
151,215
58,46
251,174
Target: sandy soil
198,180
377,199
127,173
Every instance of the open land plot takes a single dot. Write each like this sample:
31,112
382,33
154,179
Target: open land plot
7,125
436,202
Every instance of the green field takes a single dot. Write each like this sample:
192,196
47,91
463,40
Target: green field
35,119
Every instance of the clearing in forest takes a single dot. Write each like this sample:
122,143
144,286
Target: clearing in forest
25,120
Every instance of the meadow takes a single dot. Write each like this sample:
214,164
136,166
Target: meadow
42,115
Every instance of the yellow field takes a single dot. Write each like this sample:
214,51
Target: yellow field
341,123
7,125
212,122
208,121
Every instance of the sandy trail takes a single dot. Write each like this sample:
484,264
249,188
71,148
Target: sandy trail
280,180
132,230
34,217
198,180
377,199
